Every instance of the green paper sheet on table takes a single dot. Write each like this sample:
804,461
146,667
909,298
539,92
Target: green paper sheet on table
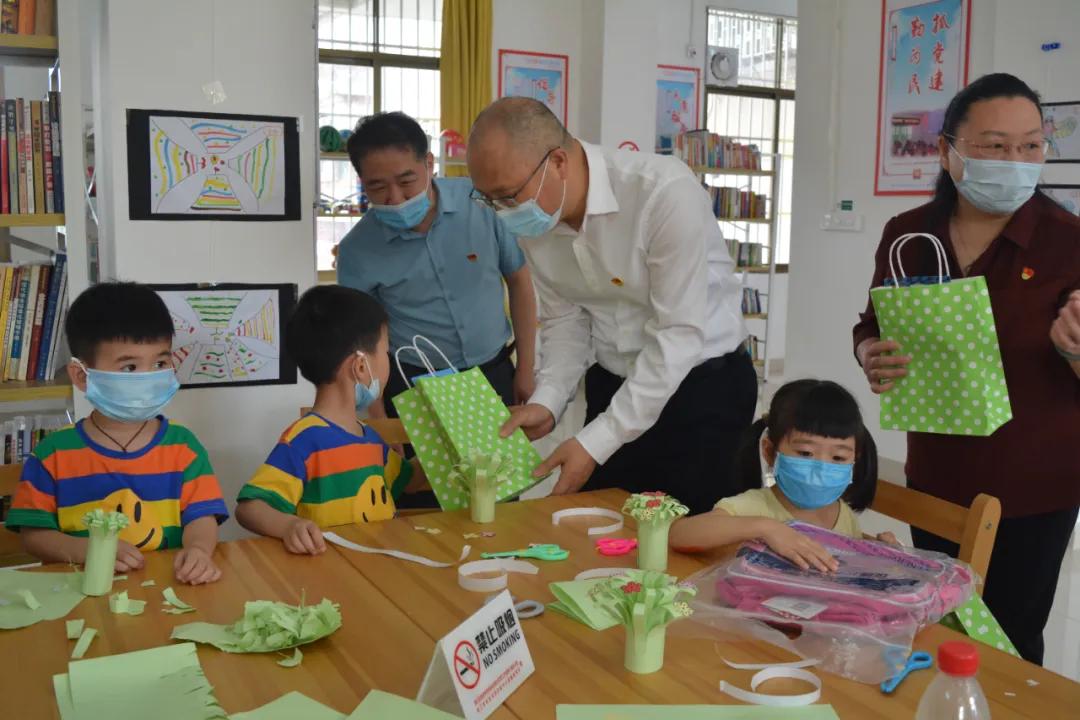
976,621
57,594
379,705
694,712
164,683
575,603
292,706
266,626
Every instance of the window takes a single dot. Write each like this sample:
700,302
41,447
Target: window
759,110
374,56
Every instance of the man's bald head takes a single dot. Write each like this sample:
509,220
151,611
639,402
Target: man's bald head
525,124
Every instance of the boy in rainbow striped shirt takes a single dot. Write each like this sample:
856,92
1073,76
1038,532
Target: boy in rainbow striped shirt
124,456
328,468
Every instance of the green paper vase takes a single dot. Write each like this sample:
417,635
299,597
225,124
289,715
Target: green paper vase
482,504
644,647
653,545
100,562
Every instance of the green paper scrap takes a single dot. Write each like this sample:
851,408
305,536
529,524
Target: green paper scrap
975,620
28,598
57,594
75,628
85,638
694,712
119,577
575,602
121,604
172,599
291,662
266,626
291,706
178,611
379,705
148,583
165,683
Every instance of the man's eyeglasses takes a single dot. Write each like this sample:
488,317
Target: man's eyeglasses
509,201
1029,149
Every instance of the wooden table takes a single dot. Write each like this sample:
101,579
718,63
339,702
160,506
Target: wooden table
394,611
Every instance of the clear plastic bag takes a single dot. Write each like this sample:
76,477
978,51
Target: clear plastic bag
858,621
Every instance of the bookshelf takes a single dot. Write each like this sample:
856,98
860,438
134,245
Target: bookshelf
706,170
333,156
17,391
29,45
32,220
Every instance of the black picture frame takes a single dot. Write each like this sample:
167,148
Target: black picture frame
1076,133
286,296
139,170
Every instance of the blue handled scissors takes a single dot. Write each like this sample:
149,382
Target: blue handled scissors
917,661
545,551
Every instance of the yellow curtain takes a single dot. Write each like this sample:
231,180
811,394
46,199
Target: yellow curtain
465,66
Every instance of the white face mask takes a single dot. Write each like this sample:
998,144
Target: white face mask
998,187
529,219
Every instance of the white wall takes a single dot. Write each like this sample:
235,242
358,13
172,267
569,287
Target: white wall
270,71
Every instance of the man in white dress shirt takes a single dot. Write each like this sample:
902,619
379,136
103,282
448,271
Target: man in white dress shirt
630,267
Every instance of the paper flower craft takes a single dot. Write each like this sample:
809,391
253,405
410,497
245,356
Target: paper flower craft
481,474
266,626
104,528
645,602
654,512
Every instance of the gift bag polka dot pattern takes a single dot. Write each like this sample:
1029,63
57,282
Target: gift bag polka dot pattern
956,377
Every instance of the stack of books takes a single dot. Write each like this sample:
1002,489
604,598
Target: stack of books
33,306
31,174
757,348
28,17
21,434
746,254
733,203
701,148
751,302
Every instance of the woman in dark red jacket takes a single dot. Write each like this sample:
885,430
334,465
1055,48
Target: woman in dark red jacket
992,222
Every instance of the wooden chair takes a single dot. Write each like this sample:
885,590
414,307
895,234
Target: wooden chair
11,552
973,528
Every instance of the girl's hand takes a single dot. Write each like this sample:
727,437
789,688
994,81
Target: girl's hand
888,537
880,369
799,549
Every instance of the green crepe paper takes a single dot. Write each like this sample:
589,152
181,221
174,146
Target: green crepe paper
292,706
266,626
104,528
164,683
56,594
148,583
292,661
83,644
694,712
74,629
654,512
121,604
170,597
379,705
481,474
575,602
644,602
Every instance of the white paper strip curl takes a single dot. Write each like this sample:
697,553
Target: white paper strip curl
771,673
762,666
427,562
601,573
493,584
558,515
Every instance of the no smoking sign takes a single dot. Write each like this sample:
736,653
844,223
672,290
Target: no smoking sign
467,664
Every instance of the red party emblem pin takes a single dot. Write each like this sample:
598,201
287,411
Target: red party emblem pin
1027,273
471,257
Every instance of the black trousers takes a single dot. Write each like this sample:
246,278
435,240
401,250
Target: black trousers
500,373
1023,573
690,452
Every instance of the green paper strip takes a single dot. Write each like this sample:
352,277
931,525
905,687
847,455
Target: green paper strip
291,662
121,604
28,598
119,577
109,522
74,629
178,611
172,599
148,583
85,639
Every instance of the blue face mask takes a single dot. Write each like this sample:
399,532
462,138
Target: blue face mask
998,187
529,219
810,483
130,397
367,394
405,215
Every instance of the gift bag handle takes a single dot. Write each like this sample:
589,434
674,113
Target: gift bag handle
898,245
422,355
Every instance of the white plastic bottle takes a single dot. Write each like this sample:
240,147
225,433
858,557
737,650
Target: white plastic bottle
955,693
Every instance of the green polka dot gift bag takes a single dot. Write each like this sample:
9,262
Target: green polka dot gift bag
448,415
956,381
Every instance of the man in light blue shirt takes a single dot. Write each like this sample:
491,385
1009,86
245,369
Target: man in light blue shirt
436,261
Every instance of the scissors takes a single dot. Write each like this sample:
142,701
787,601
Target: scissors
525,609
615,546
917,661
537,552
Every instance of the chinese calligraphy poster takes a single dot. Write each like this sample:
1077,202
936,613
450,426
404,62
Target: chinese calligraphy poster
924,58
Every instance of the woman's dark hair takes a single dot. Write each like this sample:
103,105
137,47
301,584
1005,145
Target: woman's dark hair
815,407
386,130
987,87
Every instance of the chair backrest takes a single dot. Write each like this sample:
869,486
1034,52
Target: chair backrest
973,528
9,479
391,430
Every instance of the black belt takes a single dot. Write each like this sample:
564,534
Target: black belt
499,359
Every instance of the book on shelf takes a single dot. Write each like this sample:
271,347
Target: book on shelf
12,157
6,281
46,156
32,312
57,165
20,434
751,301
700,148
735,203
31,172
57,337
5,204
28,17
746,254
34,358
37,146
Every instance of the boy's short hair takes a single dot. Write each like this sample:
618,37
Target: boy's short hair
116,311
330,323
386,130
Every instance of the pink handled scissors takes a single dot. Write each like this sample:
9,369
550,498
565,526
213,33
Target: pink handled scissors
615,546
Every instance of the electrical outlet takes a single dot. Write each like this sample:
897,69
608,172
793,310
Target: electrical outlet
691,52
842,221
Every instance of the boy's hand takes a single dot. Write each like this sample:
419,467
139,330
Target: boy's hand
419,481
128,557
798,548
304,538
194,566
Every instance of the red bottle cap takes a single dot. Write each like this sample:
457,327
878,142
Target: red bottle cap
958,658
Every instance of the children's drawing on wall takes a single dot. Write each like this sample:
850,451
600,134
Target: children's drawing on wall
541,76
230,334
1061,125
212,166
677,92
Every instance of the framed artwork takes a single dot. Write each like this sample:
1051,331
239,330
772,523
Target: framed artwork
230,334
541,76
212,166
678,95
1061,125
1067,196
923,62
